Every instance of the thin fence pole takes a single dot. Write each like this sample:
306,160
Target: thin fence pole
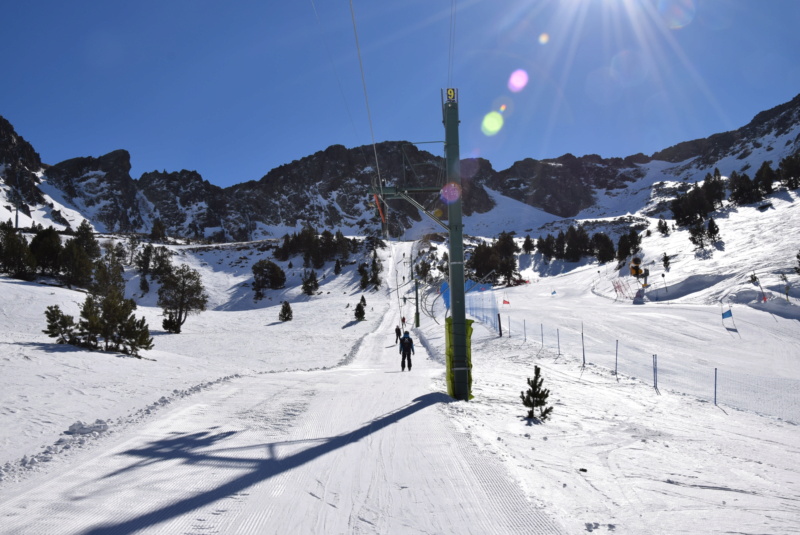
715,386
509,325
616,360
558,336
500,324
655,372
583,346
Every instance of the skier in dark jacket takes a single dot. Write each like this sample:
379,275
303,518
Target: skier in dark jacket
397,334
406,349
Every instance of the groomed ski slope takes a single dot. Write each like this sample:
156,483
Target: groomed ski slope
360,448
243,424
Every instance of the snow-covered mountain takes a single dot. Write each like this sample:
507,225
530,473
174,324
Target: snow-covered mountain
675,405
331,188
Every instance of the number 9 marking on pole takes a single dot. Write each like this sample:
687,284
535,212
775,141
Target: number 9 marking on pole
451,94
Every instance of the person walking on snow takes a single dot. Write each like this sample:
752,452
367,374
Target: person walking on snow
406,349
403,321
397,334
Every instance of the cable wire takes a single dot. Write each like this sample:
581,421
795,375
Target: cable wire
366,100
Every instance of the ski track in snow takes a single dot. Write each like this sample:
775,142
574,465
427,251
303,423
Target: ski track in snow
360,448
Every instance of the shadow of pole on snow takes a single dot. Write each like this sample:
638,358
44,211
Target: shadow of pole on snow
262,469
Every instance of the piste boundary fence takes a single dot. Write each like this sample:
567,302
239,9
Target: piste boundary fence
773,396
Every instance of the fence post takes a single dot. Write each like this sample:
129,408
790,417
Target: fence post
655,372
500,324
583,346
558,337
715,386
509,325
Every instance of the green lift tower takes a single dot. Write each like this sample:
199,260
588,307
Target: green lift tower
458,366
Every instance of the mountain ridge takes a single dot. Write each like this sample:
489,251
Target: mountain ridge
330,188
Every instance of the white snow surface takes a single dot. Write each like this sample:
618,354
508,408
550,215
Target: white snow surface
245,424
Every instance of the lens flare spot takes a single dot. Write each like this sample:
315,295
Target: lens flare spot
517,81
492,123
544,39
677,13
504,105
451,192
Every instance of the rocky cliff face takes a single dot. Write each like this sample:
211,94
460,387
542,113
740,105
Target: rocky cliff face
102,186
184,202
331,189
18,164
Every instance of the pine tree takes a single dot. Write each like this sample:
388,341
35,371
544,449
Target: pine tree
765,177
560,245
362,270
181,293
662,227
286,312
84,238
623,247
423,268
134,335
360,312
16,259
76,266
375,271
363,301
547,247
46,248
310,282
133,245
789,171
635,241
797,267
665,261
59,325
90,325
159,231
697,235
712,231
337,267
536,396
527,245
602,247
267,274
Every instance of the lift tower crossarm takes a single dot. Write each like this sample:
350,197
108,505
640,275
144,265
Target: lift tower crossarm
402,193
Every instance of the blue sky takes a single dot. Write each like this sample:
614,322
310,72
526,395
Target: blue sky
234,89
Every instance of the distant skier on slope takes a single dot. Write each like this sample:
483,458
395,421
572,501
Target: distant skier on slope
406,349
397,334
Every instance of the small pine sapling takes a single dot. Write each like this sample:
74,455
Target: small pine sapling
360,315
286,312
536,396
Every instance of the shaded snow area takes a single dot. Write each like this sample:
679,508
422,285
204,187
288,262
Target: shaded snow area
243,424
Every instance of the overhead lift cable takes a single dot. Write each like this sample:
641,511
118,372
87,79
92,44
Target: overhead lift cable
369,118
